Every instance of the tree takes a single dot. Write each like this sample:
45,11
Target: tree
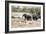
32,10
13,9
38,10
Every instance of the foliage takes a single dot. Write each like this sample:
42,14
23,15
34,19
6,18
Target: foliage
32,10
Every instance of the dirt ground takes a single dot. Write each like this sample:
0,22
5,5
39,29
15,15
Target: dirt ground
19,23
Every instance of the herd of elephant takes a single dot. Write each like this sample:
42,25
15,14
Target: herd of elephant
34,17
29,17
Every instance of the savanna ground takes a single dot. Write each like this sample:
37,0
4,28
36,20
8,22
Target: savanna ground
19,23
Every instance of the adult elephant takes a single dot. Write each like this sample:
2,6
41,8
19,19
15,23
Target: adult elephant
27,18
36,17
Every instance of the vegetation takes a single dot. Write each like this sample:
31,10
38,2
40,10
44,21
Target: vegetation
33,10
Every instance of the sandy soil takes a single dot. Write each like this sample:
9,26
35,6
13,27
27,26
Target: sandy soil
19,23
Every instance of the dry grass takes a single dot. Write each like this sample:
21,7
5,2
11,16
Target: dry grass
19,23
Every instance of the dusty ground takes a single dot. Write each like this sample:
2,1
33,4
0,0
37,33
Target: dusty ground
19,23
